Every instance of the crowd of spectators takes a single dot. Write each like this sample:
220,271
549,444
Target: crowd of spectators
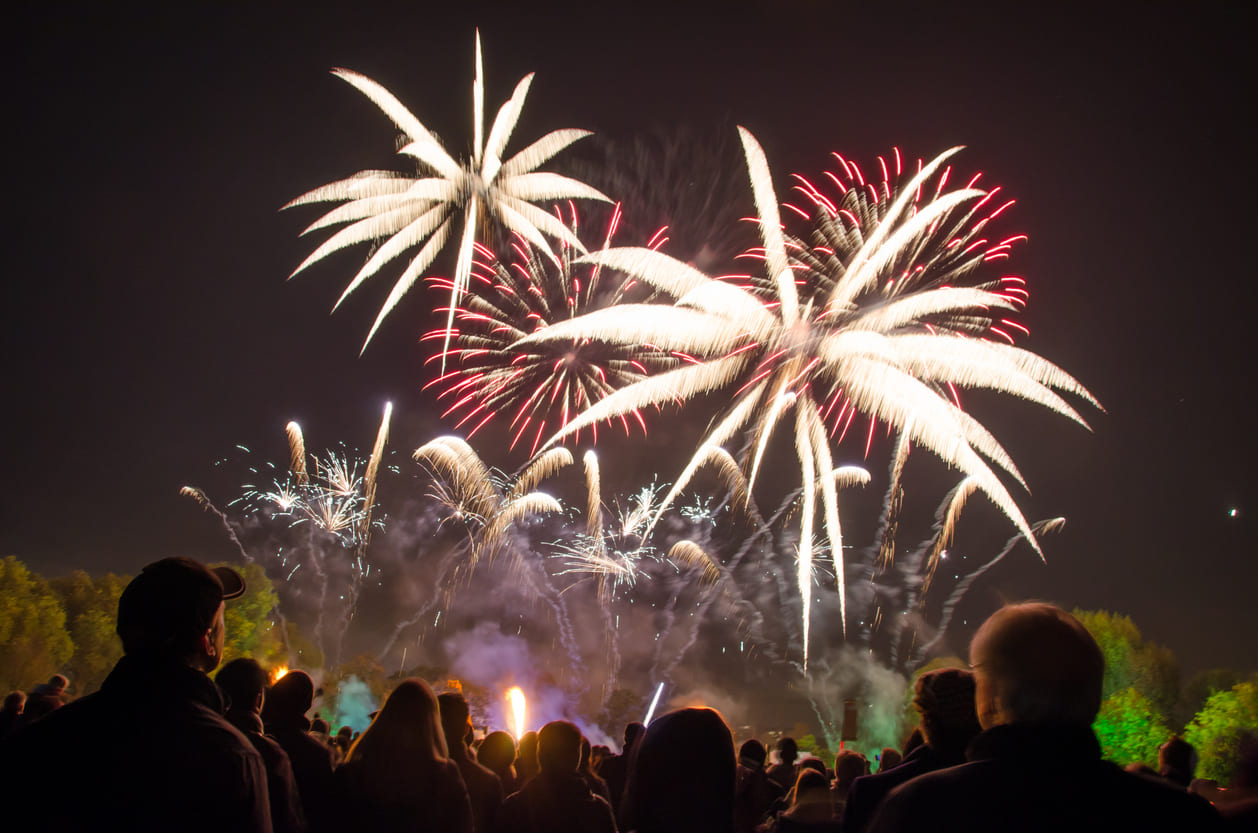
1003,746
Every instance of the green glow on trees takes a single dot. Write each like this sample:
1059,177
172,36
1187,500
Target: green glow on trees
1218,728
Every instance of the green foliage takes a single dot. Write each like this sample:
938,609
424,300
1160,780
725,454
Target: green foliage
1198,690
1130,662
91,606
1219,727
1130,728
810,745
252,628
34,643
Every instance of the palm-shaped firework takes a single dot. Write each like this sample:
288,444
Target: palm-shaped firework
542,387
489,503
854,322
407,211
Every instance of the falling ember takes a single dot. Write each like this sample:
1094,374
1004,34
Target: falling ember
515,697
277,672
655,701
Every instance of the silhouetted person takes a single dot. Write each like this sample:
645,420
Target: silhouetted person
1177,762
754,793
397,778
812,807
526,764
483,787
889,759
615,769
150,751
11,713
557,798
592,780
848,767
783,772
284,716
1237,804
1037,765
497,752
947,722
681,776
243,684
45,698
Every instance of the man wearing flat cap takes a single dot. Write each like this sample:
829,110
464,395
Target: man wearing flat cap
151,750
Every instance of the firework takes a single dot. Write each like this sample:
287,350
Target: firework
407,211
540,388
852,324
485,498
515,701
655,701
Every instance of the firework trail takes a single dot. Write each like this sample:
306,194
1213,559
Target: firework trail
1040,527
871,316
407,211
200,497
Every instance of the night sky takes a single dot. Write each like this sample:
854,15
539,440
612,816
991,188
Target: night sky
148,326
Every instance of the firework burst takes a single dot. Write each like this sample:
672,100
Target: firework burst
407,211
849,325
542,387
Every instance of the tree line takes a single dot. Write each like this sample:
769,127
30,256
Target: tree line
66,624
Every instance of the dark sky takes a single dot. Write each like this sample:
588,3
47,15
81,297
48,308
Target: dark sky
148,326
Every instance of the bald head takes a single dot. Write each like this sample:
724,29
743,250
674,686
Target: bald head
1035,663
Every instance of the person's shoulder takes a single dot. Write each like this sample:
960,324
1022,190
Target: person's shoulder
1158,798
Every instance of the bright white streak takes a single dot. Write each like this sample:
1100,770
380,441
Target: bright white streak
515,698
655,701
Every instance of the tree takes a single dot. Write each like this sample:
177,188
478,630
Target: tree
1130,728
623,707
1198,690
253,630
1219,728
1130,662
34,643
91,606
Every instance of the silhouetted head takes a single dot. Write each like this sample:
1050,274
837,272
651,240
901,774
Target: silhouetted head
633,731
848,766
290,697
497,751
456,722
559,747
752,754
889,759
1177,761
811,787
405,738
173,611
14,701
788,750
1035,663
681,776
945,701
526,756
243,683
